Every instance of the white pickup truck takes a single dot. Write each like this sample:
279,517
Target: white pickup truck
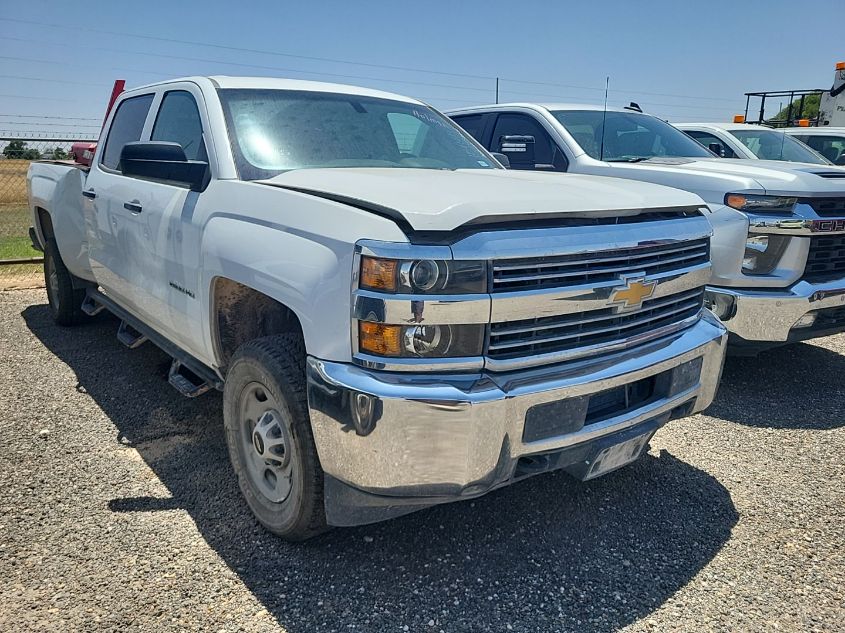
779,228
395,321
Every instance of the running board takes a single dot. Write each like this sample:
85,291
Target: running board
185,384
129,336
200,370
91,307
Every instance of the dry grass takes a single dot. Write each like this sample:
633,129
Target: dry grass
13,181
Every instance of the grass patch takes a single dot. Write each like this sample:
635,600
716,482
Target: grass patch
17,248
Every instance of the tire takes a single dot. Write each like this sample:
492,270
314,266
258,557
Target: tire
65,301
278,471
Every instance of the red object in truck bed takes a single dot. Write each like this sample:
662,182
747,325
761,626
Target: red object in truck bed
83,153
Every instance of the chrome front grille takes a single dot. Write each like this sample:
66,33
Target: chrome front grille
571,270
827,206
570,332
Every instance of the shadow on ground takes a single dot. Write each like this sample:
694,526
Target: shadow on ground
794,387
548,553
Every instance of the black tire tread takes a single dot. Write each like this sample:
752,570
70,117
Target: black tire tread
69,308
283,355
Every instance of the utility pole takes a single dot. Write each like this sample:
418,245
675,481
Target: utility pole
497,90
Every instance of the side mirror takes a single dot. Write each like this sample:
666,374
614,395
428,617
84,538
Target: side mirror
717,148
518,147
165,161
503,159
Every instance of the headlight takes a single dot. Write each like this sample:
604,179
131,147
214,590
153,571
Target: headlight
423,276
420,341
761,204
762,253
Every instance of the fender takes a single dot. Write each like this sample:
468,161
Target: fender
312,279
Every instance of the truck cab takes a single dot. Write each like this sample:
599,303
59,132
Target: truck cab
779,228
827,141
752,142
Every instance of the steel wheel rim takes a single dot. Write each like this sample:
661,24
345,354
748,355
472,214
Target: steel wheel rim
266,443
52,281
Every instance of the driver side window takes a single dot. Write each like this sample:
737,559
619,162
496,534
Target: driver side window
178,121
707,139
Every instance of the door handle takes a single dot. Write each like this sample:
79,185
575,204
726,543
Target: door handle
134,207
89,194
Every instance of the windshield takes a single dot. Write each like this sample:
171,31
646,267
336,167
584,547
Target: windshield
629,136
773,145
273,131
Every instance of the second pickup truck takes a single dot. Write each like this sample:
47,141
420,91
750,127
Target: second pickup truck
395,321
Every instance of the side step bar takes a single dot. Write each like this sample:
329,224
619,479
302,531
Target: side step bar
91,307
190,376
129,336
188,386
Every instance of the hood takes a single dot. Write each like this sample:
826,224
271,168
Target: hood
442,200
712,178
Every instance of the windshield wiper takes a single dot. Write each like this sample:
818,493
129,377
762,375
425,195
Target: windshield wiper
633,159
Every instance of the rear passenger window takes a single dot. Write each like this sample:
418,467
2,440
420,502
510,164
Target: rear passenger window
126,127
473,124
178,121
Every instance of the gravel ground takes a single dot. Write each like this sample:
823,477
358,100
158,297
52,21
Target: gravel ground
120,512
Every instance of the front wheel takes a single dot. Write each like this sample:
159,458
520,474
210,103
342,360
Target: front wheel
268,432
65,300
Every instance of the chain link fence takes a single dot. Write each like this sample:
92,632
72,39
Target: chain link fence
20,264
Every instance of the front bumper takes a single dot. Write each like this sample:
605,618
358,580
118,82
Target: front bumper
391,443
768,317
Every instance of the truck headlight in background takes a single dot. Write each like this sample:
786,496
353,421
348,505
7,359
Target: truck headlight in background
421,341
752,203
423,276
762,253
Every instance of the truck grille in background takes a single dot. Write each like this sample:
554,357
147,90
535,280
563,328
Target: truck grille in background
827,257
827,206
544,335
569,270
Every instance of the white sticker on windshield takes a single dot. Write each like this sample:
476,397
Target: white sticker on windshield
483,163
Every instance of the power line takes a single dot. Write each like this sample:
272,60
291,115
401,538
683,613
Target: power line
73,125
265,67
305,72
43,116
245,50
336,61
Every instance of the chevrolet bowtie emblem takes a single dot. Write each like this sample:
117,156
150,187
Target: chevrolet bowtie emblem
633,293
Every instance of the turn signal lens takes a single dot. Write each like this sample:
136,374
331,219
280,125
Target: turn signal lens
738,118
377,338
803,122
735,200
378,274
840,65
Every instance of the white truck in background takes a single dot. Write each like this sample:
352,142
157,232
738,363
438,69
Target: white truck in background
751,142
779,228
395,321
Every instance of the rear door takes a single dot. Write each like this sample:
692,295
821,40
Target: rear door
114,250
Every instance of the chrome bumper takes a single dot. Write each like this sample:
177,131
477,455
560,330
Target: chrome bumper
444,437
771,316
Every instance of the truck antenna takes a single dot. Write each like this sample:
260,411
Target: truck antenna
604,117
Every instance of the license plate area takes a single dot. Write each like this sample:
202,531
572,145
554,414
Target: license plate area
616,456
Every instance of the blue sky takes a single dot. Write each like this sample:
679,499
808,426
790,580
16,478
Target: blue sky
679,60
